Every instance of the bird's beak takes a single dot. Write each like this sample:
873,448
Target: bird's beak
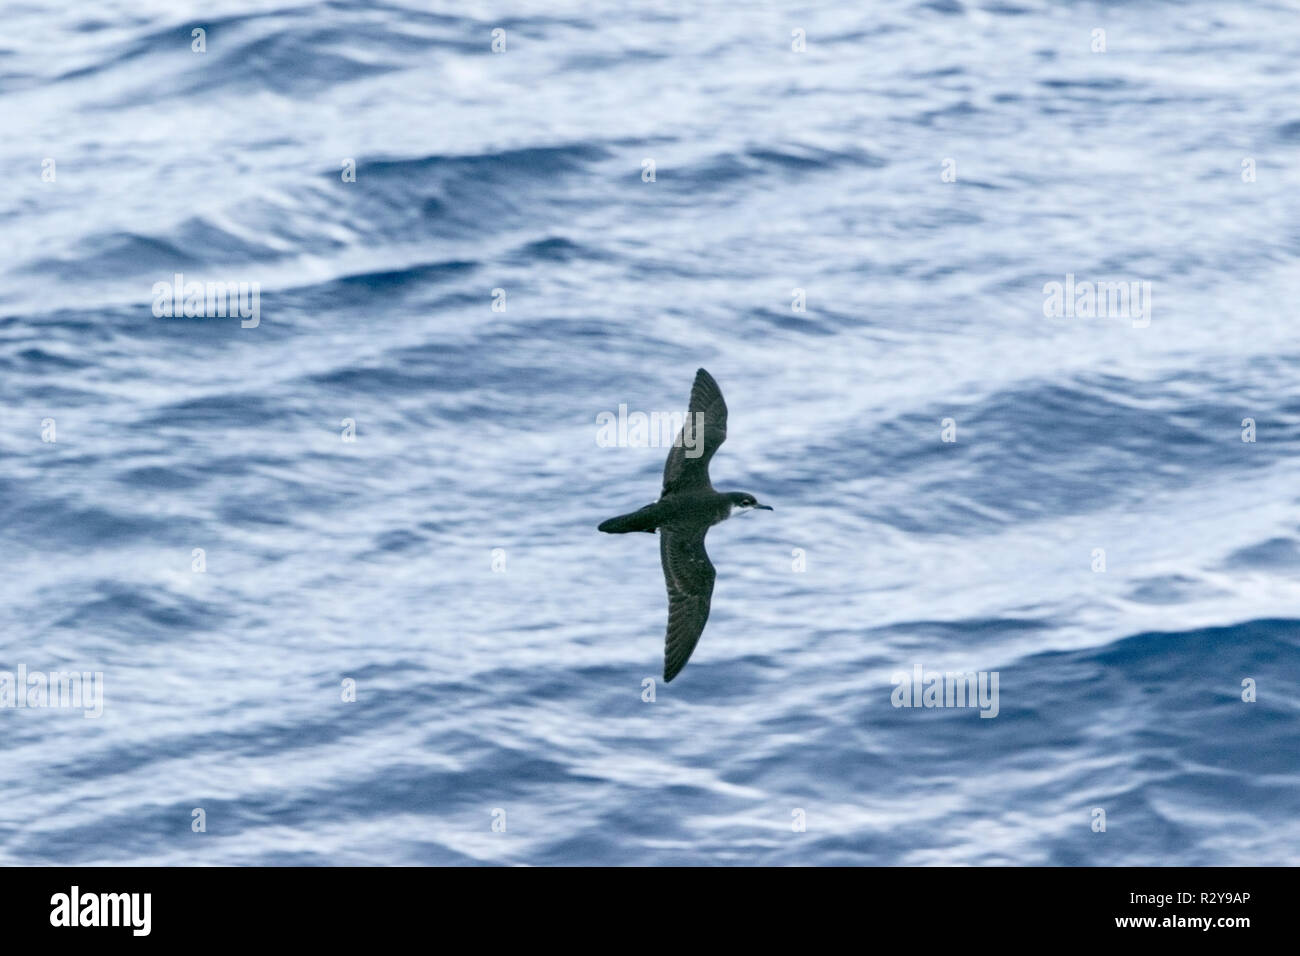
764,507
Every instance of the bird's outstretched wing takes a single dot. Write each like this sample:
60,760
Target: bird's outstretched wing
682,471
689,575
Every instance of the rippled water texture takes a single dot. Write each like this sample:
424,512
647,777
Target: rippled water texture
515,695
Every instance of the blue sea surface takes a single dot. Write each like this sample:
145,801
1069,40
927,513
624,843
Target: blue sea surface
641,190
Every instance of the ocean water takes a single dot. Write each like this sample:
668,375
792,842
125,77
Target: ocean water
1098,534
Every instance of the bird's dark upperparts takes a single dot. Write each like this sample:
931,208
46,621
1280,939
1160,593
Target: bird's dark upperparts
687,507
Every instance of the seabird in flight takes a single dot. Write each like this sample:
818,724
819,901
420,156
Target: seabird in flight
687,507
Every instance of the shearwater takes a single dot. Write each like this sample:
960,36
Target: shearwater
687,508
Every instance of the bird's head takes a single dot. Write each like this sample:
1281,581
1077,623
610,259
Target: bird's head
743,501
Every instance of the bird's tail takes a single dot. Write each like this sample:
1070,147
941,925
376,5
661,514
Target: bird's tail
643,519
